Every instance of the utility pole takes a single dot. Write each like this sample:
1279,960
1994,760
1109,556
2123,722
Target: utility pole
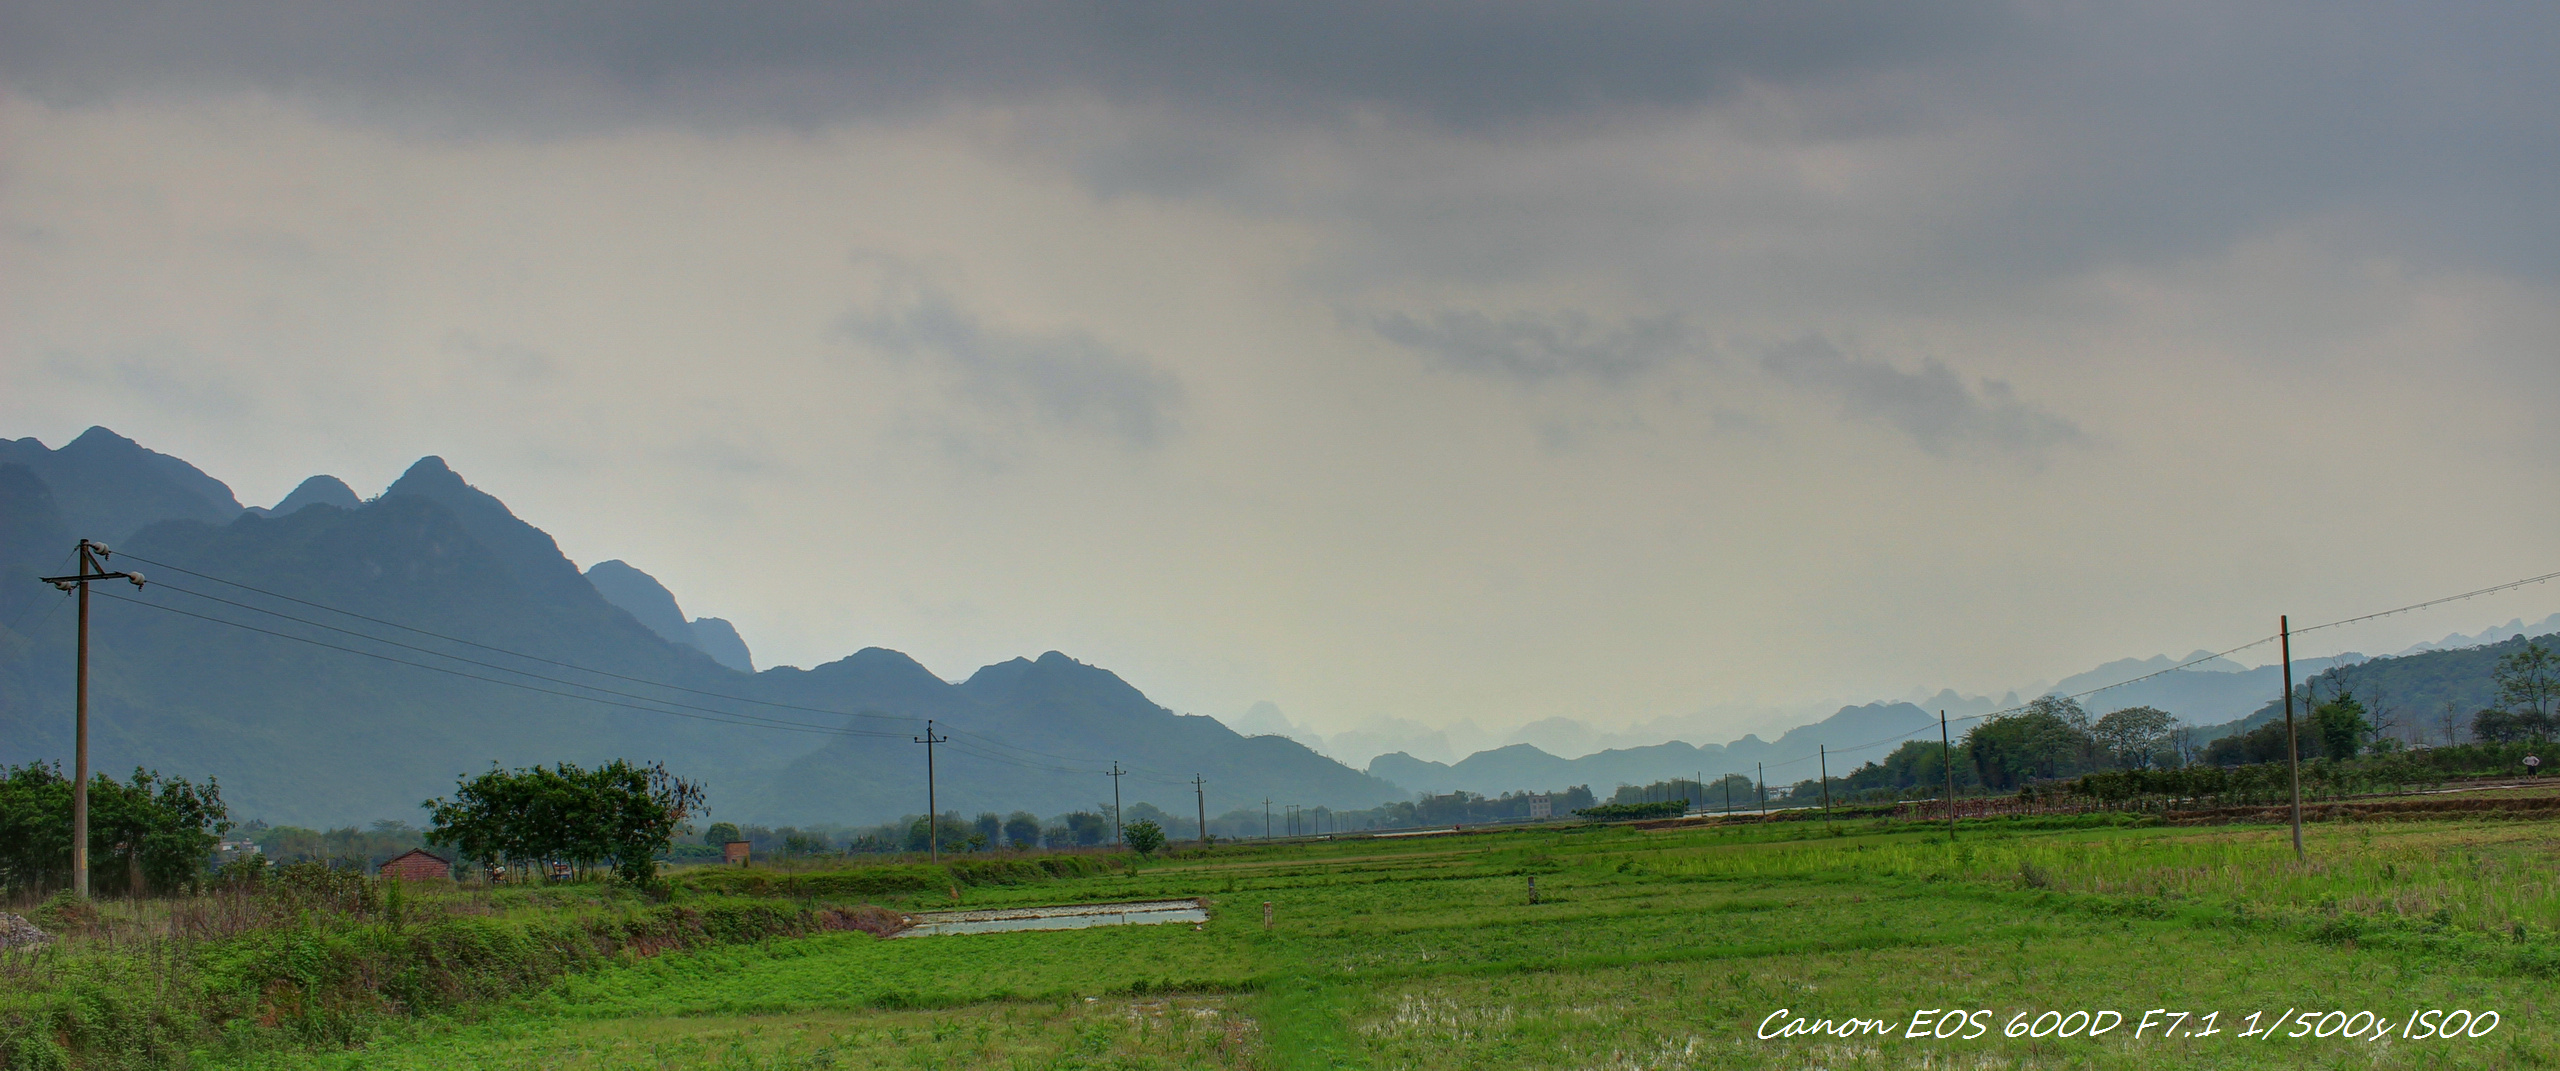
90,555
933,820
1116,774
1266,818
1947,759
1763,769
1200,796
1821,753
2292,743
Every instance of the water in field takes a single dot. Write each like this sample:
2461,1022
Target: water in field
1060,917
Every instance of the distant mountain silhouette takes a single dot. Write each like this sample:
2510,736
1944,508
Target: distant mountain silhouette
108,487
719,639
1523,766
319,491
641,596
305,734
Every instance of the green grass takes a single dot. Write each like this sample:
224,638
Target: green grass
1648,950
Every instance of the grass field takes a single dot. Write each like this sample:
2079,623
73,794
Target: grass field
1647,949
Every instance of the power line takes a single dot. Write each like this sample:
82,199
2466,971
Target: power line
503,650
487,665
725,720
574,666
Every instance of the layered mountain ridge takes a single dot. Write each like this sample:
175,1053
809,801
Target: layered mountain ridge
341,662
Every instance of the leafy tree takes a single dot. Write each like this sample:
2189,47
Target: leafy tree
2134,735
1087,827
2050,738
159,831
1022,829
1143,836
621,812
990,827
721,833
954,832
2340,727
2529,682
796,842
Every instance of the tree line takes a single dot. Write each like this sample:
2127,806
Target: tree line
620,813
149,834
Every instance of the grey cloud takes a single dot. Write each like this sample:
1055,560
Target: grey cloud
1531,347
1932,405
1459,62
1066,380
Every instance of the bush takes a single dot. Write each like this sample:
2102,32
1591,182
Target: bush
1144,837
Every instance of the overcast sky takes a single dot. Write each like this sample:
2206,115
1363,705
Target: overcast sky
1422,360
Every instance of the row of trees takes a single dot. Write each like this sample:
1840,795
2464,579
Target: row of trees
150,834
620,812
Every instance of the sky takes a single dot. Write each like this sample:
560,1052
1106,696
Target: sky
1423,363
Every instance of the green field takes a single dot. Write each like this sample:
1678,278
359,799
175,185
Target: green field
1647,949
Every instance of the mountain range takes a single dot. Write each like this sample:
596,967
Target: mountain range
340,659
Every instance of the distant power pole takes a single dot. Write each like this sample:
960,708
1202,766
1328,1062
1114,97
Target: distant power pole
1200,796
1116,774
2292,743
1947,759
90,555
933,805
1820,753
1266,818
1764,787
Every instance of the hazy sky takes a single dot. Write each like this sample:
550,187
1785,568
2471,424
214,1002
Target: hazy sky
1427,360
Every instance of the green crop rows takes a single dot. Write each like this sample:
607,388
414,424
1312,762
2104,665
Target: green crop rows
1646,949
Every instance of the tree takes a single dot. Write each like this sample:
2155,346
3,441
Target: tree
1022,829
158,830
2049,738
721,833
621,812
990,827
2529,688
2340,727
1088,828
2134,735
1143,836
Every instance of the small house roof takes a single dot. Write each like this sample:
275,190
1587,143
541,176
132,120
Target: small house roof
418,851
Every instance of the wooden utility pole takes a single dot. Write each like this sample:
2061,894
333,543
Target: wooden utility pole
1947,758
1820,753
933,804
2292,743
1116,774
1200,796
90,569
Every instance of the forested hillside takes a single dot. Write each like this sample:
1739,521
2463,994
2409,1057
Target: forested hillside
334,665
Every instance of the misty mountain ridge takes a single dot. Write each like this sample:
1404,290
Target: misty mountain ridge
308,735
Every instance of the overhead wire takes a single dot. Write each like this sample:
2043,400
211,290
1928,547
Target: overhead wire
984,741
819,730
477,662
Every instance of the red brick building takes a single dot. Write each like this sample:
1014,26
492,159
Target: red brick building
418,864
734,853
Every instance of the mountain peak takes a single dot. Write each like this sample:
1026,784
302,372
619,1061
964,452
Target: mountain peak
319,491
97,437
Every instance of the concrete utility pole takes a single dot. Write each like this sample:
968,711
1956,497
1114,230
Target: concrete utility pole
932,803
90,555
1822,753
2292,743
1947,759
1266,818
1200,797
1116,774
1763,770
